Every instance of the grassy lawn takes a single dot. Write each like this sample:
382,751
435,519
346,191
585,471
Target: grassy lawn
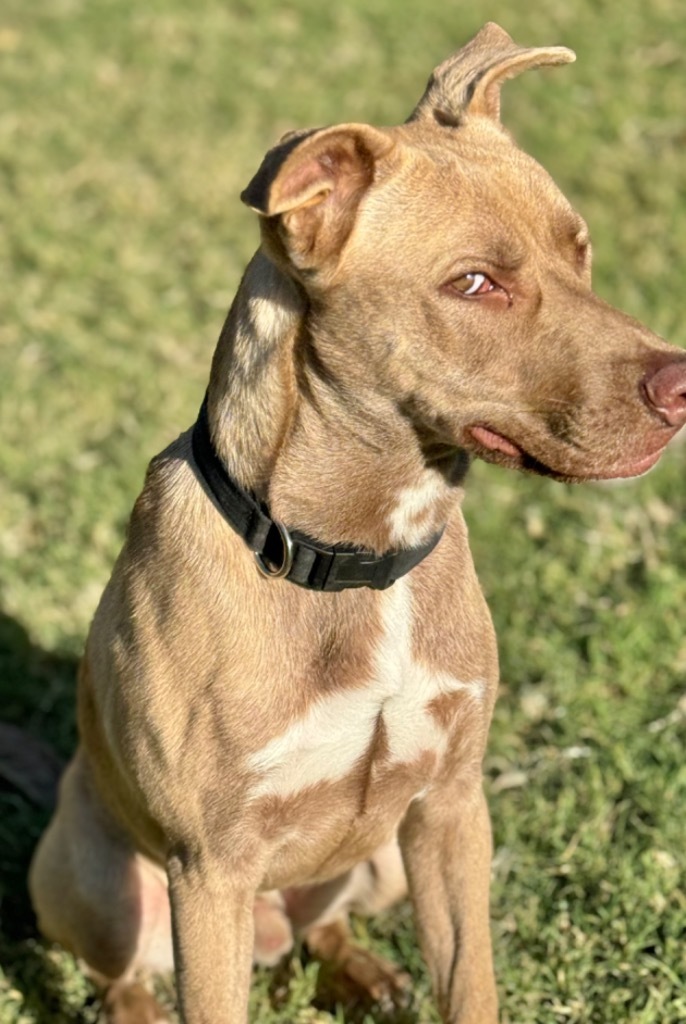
126,134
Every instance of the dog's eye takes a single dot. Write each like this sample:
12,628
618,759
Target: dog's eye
474,284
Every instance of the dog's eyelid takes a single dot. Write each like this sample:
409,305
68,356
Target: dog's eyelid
508,266
494,265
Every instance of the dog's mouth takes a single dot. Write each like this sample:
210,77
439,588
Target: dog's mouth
493,446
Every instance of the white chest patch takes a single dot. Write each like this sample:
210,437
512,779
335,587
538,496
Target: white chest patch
326,743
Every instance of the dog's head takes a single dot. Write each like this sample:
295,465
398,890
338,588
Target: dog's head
445,269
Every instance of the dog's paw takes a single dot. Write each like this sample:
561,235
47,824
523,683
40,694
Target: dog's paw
370,979
273,931
355,976
131,1004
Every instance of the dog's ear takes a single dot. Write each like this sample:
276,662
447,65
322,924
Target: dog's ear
469,81
309,188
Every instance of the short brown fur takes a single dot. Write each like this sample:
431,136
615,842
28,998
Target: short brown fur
255,757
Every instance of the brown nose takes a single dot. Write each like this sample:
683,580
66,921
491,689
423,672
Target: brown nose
665,392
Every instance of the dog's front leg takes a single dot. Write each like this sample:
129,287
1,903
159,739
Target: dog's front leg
446,844
212,915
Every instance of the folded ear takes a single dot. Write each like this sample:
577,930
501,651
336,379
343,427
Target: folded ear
469,81
312,184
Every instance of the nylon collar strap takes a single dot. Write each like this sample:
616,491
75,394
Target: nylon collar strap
294,556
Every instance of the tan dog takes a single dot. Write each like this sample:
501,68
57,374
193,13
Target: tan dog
422,293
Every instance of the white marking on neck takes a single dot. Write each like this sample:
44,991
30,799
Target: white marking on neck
410,521
270,320
275,304
337,730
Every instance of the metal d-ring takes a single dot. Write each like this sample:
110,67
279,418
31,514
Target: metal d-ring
286,565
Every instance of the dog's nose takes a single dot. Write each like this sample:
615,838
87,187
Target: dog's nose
665,392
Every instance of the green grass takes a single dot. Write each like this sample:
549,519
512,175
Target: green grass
126,133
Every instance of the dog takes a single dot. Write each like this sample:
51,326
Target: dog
286,691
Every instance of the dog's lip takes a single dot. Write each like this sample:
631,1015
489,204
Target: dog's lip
637,468
488,438
493,441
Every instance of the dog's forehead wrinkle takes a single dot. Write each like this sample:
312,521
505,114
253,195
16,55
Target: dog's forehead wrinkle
457,203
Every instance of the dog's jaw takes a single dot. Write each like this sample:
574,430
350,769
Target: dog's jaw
494,447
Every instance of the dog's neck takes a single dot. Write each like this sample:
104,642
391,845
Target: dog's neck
330,457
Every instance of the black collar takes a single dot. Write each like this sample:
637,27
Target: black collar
280,553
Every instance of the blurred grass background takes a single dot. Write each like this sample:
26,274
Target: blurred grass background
126,134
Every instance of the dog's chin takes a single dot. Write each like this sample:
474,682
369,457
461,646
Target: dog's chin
490,446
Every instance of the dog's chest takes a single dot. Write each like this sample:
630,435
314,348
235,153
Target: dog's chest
394,719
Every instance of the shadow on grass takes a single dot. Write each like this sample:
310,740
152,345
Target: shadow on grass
37,687
37,691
